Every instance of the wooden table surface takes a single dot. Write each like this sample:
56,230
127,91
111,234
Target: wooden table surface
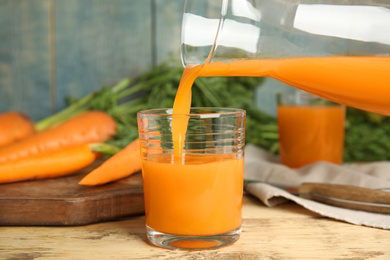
284,232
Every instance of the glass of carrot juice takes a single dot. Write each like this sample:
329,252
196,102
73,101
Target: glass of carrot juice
192,177
310,129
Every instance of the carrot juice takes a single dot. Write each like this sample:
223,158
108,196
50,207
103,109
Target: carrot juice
201,197
310,133
190,194
193,198
360,82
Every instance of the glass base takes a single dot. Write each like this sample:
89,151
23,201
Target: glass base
178,242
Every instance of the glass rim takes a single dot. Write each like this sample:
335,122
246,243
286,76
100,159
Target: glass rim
217,110
302,98
298,93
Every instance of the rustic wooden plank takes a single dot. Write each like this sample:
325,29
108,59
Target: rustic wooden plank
285,232
63,202
24,57
168,18
98,43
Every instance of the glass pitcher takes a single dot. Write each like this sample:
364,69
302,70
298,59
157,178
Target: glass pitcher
336,49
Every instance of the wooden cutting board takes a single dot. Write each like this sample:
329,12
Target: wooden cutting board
63,202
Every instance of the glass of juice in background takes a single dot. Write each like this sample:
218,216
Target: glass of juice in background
310,129
193,201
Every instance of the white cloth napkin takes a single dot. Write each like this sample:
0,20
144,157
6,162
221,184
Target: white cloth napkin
265,168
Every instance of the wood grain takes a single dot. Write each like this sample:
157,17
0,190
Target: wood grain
24,57
168,18
53,49
284,232
100,42
346,196
63,202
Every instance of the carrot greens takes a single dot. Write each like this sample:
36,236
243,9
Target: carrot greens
367,135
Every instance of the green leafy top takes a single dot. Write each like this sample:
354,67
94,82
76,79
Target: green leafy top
367,136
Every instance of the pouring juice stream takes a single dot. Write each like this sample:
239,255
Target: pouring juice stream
361,82
200,193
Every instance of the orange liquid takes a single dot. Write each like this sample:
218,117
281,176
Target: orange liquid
202,196
361,82
181,107
174,203
308,134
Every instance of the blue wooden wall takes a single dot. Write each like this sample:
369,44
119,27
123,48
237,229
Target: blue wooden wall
50,49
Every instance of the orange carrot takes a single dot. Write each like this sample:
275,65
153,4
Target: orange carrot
47,165
88,127
118,166
14,126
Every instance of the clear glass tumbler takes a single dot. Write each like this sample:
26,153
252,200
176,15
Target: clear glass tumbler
193,202
310,129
